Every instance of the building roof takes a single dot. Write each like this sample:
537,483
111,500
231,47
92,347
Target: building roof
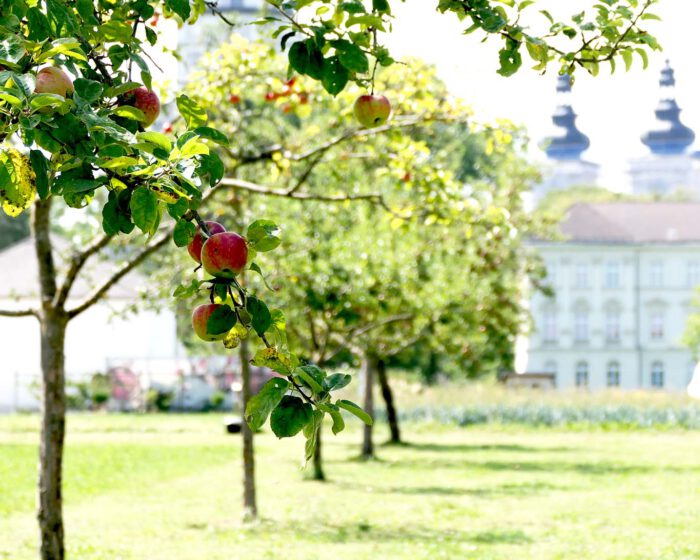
632,222
19,277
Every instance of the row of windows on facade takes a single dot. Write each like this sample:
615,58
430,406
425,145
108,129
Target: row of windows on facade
612,326
612,277
612,373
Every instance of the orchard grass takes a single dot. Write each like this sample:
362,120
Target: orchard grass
168,487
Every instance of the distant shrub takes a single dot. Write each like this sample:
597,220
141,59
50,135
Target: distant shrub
548,415
159,400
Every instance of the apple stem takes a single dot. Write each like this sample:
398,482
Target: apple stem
200,222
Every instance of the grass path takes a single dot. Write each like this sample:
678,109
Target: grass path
156,487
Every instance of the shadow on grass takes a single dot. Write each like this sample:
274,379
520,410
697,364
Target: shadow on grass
466,448
366,531
521,489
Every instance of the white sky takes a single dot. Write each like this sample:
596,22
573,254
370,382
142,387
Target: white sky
613,110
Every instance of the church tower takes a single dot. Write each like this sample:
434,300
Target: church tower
669,166
565,146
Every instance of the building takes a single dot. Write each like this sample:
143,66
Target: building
106,336
623,276
565,147
669,166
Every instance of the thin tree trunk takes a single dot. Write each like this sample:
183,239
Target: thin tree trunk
318,473
53,402
368,405
53,420
250,506
388,396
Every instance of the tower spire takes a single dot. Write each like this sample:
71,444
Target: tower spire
567,142
668,135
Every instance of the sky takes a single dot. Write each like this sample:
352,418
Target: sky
613,110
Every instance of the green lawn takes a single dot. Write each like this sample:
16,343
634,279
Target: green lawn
168,487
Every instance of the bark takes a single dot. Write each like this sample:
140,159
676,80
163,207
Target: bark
368,404
388,397
250,506
53,403
318,473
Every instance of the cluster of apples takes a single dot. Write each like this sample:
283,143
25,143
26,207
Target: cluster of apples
224,254
54,80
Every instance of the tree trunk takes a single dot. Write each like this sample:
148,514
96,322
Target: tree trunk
368,405
250,506
388,396
53,402
318,473
53,420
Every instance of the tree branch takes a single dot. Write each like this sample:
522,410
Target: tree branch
76,265
240,184
130,265
18,313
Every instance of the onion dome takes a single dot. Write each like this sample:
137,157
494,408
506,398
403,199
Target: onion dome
668,135
566,142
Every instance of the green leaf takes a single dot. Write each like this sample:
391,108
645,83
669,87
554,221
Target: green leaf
255,268
290,416
72,185
352,408
261,318
193,114
184,232
144,210
335,76
309,374
129,112
222,320
311,434
42,100
88,90
306,58
40,165
155,138
351,56
212,134
510,59
336,416
260,406
336,381
274,359
262,235
180,7
381,6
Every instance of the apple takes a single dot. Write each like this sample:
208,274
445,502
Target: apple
372,110
147,102
270,96
234,98
53,80
194,247
200,317
168,128
224,254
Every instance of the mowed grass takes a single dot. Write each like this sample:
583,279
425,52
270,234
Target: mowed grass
169,487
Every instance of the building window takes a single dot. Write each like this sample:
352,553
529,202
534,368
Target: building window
549,326
612,326
657,374
582,374
612,274
581,275
656,275
657,325
613,374
693,274
581,325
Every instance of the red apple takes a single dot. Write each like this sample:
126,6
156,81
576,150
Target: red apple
224,254
372,110
234,98
194,247
200,317
147,102
270,96
53,80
